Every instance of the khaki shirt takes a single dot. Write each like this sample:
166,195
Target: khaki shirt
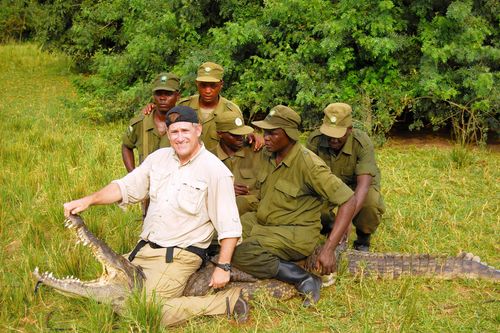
143,136
186,201
209,134
357,157
291,198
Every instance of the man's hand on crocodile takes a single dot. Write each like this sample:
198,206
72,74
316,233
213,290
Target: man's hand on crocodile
326,262
76,206
219,278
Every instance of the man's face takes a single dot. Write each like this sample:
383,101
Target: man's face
184,138
209,91
337,143
165,100
233,141
276,140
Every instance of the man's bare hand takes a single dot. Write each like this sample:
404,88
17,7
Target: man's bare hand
148,108
76,206
256,140
326,262
219,278
240,189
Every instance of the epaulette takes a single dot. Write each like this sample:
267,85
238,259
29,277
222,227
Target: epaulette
363,138
136,119
232,106
186,99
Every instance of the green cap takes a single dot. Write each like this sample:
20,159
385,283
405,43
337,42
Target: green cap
210,72
232,122
282,117
166,81
337,120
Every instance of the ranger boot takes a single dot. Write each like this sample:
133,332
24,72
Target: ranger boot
363,241
307,284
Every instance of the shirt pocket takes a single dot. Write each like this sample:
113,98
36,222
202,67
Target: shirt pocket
248,177
285,194
192,193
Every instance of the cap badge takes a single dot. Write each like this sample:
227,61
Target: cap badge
207,69
333,119
163,79
238,122
271,113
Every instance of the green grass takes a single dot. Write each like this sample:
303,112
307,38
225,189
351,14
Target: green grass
439,200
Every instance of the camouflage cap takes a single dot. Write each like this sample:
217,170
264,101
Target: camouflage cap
166,81
282,117
210,72
337,120
233,123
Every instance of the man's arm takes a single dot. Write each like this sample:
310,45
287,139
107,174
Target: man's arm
220,277
109,194
362,185
128,158
326,262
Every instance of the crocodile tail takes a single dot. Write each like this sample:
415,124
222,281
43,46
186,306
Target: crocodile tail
393,265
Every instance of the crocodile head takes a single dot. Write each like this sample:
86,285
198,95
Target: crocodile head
117,281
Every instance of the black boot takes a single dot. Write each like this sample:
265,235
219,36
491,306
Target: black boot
363,241
306,283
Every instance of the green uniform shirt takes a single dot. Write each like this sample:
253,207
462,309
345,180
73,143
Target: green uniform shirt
143,135
357,157
291,197
209,134
244,165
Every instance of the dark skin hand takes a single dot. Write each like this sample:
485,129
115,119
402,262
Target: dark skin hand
240,189
326,262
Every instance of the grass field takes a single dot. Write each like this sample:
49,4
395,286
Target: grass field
439,200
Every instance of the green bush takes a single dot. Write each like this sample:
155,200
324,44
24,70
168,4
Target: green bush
435,63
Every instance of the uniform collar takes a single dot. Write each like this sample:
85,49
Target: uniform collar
287,161
149,123
221,154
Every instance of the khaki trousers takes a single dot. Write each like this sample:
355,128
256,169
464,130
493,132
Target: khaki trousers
167,281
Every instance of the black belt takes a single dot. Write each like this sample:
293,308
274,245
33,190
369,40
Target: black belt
169,256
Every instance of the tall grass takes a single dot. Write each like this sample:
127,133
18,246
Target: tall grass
438,201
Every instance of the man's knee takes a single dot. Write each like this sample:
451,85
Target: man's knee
252,258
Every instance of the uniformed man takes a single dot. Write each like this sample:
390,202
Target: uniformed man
351,156
293,183
147,133
236,153
210,104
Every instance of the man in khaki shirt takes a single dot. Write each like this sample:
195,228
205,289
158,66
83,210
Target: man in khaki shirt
293,183
240,158
351,156
191,195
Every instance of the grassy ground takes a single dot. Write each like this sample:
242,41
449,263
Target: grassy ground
439,199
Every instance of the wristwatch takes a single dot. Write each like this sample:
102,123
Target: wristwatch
226,266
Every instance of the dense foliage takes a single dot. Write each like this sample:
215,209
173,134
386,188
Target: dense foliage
425,62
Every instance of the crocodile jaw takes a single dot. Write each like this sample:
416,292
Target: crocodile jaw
118,279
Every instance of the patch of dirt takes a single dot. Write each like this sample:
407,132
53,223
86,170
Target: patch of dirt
441,139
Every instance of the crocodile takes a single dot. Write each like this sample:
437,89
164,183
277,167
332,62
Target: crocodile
120,277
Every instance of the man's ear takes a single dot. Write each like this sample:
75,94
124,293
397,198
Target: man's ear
219,134
199,129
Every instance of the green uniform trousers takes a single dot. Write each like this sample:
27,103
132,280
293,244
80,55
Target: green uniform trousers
260,255
167,281
367,219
